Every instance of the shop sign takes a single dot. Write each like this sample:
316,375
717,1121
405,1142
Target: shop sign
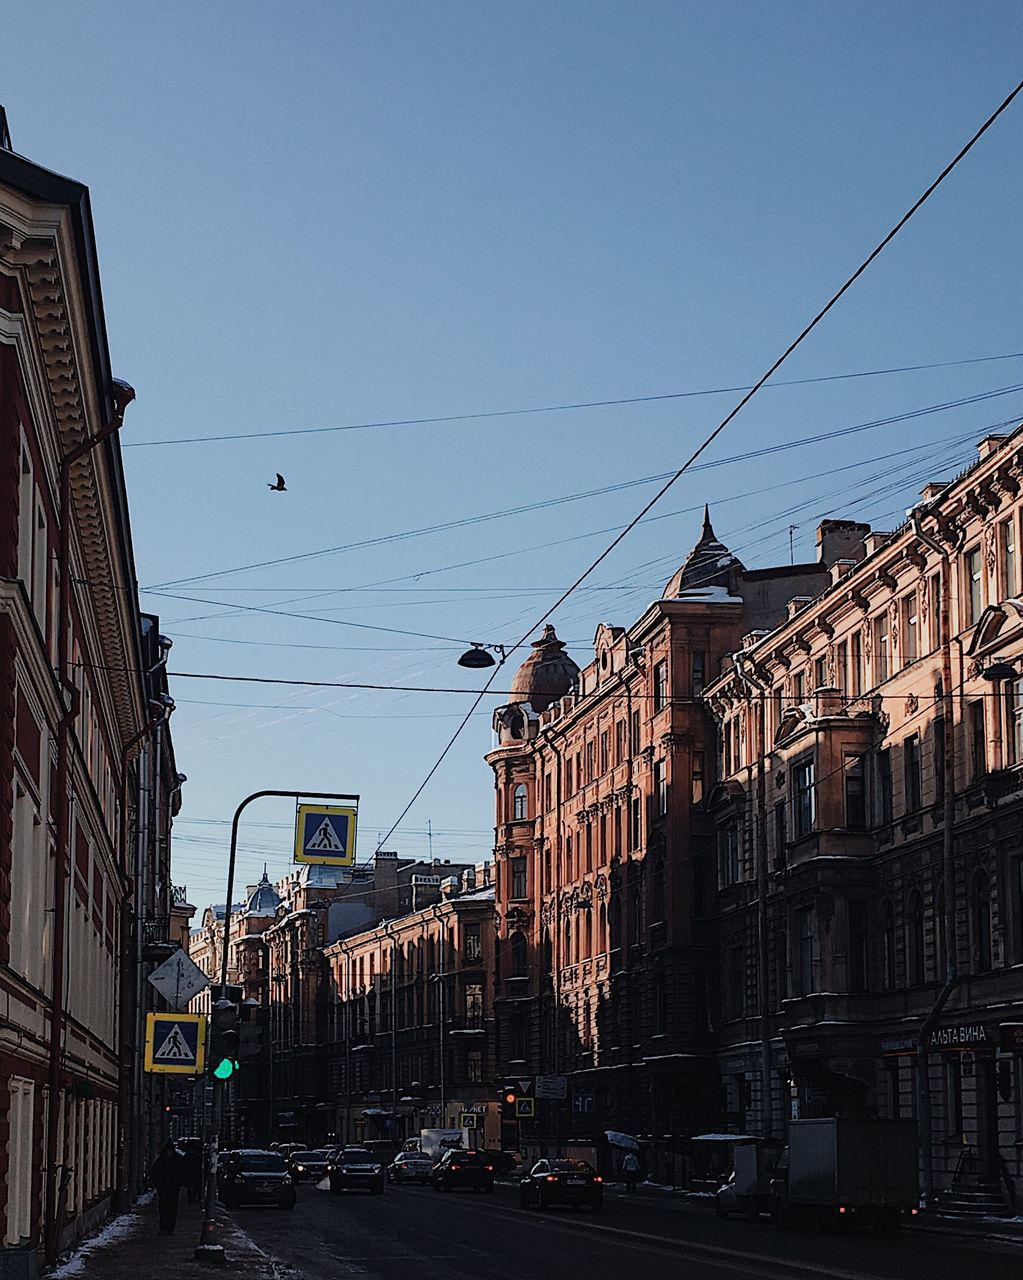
1012,1037
967,1035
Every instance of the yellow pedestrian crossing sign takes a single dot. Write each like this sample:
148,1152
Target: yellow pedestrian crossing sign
325,835
175,1043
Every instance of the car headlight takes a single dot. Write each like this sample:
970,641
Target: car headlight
300,1168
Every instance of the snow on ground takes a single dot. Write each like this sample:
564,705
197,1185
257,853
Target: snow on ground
119,1228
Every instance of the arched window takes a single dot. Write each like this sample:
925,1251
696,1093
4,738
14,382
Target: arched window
980,912
545,946
587,932
915,940
519,955
658,894
520,808
602,940
566,955
888,946
781,964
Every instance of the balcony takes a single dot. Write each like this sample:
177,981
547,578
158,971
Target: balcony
155,937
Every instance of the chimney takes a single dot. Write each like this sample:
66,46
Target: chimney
425,891
449,887
840,540
875,540
840,568
797,604
385,878
990,445
930,491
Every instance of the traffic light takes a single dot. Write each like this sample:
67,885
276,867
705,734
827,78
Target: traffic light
509,1102
223,1053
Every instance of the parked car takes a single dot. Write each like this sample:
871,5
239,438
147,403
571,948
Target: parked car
410,1166
571,1182
463,1169
382,1149
307,1166
356,1167
255,1177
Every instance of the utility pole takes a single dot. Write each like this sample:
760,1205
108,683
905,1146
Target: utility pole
208,1249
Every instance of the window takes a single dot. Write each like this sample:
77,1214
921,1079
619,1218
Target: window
915,941
1007,540
605,751
568,776
893,1070
954,1094
1013,722
1018,904
978,743
637,822
660,787
973,587
580,777
660,1004
658,891
636,907
911,773
729,855
472,943
884,786
938,741
474,997
910,631
855,794
804,802
697,777
804,953
568,858
591,760
882,666
474,1066
699,671
935,590
588,846
980,913
660,686
781,964
781,836
519,956
518,878
520,807
635,733
820,673
799,687
735,983
888,977
841,667
619,742
858,946
856,665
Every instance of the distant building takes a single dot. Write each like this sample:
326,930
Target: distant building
867,845
408,1020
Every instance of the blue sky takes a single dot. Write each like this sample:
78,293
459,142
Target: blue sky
327,214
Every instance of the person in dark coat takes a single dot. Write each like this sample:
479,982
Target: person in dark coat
167,1176
192,1170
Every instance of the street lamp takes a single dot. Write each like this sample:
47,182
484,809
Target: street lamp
481,656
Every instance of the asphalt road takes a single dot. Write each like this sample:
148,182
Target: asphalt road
414,1233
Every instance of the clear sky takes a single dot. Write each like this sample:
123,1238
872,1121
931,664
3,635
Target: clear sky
322,214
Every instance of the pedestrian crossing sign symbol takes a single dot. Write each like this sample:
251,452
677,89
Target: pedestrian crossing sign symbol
175,1043
325,835
525,1109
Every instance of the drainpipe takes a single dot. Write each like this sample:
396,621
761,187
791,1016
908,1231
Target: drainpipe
122,395
556,941
947,855
752,685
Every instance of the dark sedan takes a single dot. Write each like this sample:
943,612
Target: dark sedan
356,1167
463,1169
308,1166
570,1182
255,1177
410,1166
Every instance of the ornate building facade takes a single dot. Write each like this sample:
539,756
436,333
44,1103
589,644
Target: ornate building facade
867,861
604,946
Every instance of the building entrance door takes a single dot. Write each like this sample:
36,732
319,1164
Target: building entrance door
987,1117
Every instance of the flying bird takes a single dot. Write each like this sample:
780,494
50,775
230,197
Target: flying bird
280,486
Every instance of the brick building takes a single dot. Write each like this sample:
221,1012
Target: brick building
867,883
604,949
88,786
408,1023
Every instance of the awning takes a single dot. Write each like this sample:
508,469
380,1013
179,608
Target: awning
623,1140
725,1137
377,1111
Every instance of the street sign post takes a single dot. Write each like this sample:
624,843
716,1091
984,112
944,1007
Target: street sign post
552,1088
175,1043
325,835
179,980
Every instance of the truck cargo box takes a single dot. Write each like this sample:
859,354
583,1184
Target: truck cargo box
859,1163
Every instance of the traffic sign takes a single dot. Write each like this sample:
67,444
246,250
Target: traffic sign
525,1108
325,835
179,979
582,1104
468,1120
175,1043
552,1087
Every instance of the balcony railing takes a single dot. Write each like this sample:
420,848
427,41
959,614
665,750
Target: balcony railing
179,895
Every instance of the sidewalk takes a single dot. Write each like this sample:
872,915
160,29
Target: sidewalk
130,1247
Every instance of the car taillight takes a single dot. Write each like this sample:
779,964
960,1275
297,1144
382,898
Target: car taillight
551,1177
598,1179
488,1168
841,1208
454,1168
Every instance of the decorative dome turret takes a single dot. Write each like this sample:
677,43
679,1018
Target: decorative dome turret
264,899
709,564
546,675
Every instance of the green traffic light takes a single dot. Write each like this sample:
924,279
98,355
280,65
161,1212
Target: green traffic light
224,1069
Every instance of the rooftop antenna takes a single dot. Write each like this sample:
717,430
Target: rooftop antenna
792,551
429,836
5,133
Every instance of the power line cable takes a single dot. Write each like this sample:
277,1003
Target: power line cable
709,440
560,408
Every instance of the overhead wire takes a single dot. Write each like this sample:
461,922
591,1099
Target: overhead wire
717,431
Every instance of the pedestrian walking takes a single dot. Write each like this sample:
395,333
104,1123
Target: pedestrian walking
630,1167
192,1171
167,1176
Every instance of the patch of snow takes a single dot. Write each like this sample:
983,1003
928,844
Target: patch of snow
711,595
119,1228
